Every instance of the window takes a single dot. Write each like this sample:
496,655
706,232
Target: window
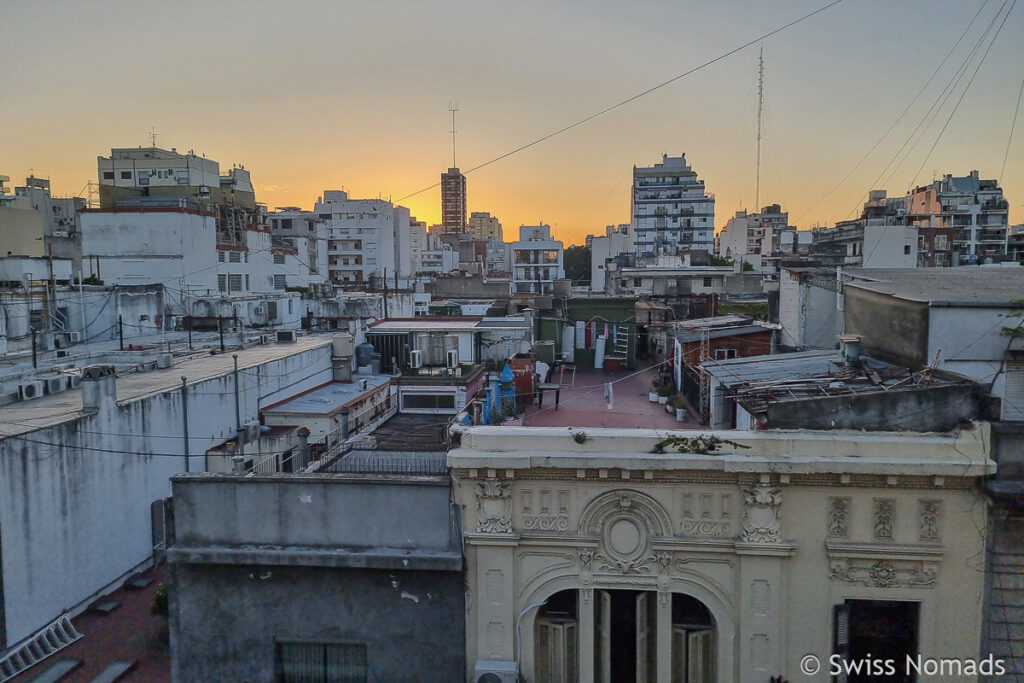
906,249
220,256
279,259
428,401
108,175
707,282
235,256
245,256
290,306
298,662
725,354
235,282
126,175
247,288
143,179
279,282
941,243
222,283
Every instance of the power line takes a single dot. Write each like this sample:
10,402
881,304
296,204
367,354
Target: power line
965,90
900,117
626,101
1012,126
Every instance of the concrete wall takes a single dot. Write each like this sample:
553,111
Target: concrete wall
936,409
75,497
226,620
457,287
338,557
145,246
809,316
21,230
890,246
892,329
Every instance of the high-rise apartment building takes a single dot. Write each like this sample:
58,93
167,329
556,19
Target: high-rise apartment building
671,211
536,261
369,238
484,226
453,201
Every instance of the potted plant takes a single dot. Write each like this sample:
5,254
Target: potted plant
664,391
652,395
679,405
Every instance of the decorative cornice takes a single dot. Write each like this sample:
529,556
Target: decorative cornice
883,551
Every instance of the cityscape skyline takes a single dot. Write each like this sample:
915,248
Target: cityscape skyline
382,124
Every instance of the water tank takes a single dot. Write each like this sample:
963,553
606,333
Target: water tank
342,345
364,354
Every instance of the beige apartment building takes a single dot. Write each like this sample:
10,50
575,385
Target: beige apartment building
607,555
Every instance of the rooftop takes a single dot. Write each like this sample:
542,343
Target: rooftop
963,285
329,398
448,324
582,402
46,411
718,326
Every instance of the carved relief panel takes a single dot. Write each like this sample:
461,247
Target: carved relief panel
707,513
544,509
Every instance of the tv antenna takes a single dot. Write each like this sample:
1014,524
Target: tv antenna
453,107
760,109
152,136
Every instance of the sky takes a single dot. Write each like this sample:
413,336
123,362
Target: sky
322,95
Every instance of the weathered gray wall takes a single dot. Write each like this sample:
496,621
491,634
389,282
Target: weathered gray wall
372,559
472,287
920,410
893,330
225,619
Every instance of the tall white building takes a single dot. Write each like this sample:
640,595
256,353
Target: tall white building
536,260
671,211
368,238
618,239
299,245
755,233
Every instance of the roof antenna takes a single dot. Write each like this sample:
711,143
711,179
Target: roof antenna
453,107
152,137
760,109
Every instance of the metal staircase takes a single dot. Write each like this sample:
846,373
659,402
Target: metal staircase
48,641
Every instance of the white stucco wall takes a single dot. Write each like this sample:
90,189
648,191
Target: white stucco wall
74,519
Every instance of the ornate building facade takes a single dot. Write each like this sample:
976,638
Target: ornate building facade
605,555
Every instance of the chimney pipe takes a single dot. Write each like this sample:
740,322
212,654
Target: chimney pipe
99,388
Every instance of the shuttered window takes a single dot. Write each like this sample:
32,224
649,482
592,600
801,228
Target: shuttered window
1013,403
302,662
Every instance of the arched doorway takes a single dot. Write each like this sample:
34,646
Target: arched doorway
627,627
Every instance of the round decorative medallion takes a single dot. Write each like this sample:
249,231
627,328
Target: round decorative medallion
624,537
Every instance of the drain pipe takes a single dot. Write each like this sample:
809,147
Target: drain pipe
519,640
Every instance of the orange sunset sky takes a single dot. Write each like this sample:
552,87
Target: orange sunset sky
322,95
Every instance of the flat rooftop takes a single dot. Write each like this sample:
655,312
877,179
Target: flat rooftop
582,402
27,416
330,398
964,285
460,324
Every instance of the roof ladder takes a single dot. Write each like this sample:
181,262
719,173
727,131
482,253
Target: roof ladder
48,641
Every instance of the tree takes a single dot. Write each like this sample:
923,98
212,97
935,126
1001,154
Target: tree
576,260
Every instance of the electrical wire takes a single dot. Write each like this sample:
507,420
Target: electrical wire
900,117
626,101
1013,125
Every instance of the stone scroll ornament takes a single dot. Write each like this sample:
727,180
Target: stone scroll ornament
762,514
493,507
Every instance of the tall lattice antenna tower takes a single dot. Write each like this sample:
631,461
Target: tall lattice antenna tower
760,109
453,107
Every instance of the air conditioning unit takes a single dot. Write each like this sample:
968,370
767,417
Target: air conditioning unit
61,353
495,671
75,337
74,381
163,361
30,390
55,385
452,358
363,384
415,358
264,339
286,336
252,430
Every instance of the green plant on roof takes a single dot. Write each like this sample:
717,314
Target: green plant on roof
580,437
665,390
702,444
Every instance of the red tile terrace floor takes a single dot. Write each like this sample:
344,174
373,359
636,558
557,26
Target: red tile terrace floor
585,406
129,632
